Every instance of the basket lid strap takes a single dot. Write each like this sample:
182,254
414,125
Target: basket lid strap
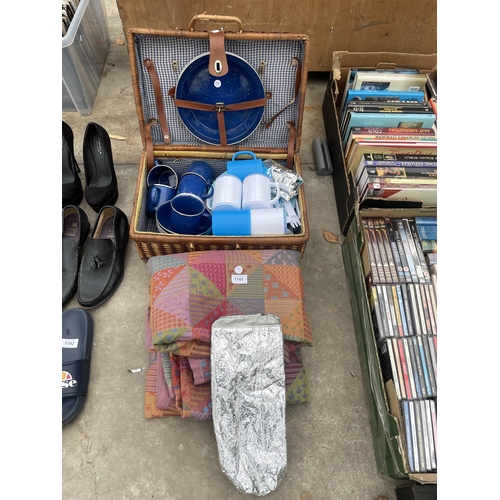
219,108
149,144
217,64
159,99
298,78
200,106
291,145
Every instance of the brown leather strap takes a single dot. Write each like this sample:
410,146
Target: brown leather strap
159,99
222,125
219,108
149,144
181,103
298,79
217,64
291,145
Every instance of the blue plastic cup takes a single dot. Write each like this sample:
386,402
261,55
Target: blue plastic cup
242,168
231,223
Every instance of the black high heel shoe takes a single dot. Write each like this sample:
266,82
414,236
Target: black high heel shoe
72,190
101,184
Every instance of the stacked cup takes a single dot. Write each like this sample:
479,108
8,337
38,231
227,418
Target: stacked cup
242,201
184,211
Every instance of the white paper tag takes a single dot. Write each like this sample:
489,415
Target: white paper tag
70,343
239,279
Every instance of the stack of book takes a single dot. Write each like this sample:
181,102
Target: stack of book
389,134
402,288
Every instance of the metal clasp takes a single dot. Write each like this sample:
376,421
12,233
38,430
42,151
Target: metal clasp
219,107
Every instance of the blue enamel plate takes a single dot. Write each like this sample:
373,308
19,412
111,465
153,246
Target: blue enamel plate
240,84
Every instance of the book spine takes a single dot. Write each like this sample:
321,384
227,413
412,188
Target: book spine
406,108
401,172
401,251
394,130
401,157
395,251
400,163
425,220
426,232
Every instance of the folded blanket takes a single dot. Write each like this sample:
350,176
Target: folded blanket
188,292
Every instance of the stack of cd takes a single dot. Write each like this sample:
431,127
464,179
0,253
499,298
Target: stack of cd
402,290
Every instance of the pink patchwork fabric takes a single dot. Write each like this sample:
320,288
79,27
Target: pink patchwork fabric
189,291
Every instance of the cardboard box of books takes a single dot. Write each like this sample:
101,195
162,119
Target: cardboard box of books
380,114
390,259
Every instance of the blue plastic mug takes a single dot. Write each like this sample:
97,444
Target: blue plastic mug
231,223
242,168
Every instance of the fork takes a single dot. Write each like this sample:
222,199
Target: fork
292,217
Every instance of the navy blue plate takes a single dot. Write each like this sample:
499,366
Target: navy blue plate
240,84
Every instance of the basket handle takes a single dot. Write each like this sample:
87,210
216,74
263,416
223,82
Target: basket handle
222,19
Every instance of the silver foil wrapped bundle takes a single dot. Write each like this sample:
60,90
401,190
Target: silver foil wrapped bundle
288,180
248,398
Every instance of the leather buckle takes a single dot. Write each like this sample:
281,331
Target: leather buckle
219,107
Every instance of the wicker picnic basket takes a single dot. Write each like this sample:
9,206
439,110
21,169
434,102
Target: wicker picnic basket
157,58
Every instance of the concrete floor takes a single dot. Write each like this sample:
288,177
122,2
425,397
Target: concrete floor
112,452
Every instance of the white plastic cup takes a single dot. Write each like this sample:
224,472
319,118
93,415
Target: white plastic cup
227,193
267,221
257,192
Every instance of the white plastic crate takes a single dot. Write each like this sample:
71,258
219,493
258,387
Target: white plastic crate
85,48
